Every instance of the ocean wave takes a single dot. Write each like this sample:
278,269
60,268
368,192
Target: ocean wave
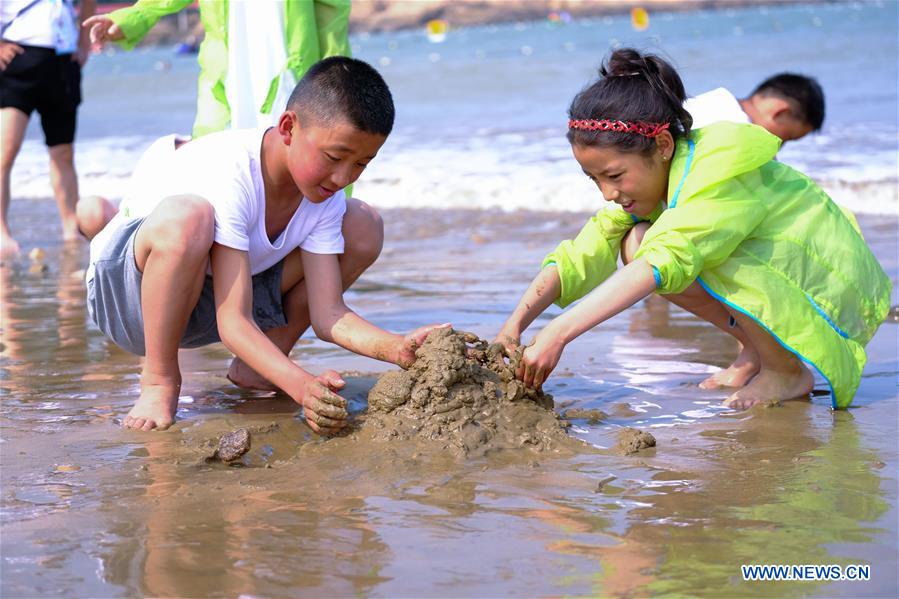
504,170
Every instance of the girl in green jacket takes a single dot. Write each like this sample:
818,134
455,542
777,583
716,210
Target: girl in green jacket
712,222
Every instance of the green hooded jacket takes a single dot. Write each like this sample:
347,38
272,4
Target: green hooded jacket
760,237
314,30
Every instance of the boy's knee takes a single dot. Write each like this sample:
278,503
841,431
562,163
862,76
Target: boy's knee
92,213
363,231
7,158
182,223
63,154
631,242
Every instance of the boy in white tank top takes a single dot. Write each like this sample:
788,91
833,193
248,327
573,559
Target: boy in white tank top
239,236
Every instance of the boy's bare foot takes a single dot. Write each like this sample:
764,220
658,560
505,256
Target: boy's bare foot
243,376
738,374
155,409
70,232
793,382
9,247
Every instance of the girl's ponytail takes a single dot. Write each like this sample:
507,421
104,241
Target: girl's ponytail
633,88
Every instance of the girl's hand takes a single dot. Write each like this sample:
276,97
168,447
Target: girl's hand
539,360
103,29
405,355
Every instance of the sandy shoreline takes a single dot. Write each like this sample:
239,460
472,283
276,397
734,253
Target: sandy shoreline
90,509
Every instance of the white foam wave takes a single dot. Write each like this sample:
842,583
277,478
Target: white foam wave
104,167
865,197
507,171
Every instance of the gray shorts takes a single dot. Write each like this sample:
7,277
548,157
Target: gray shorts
113,298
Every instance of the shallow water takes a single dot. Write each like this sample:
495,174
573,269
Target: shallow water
89,509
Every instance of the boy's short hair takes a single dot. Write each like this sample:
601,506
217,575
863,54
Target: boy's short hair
804,91
345,89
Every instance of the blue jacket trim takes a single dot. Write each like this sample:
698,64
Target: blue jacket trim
833,325
833,396
683,178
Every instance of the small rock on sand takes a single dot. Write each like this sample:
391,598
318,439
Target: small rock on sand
632,440
233,445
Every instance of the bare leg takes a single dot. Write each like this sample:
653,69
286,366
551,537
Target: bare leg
172,250
13,123
65,187
363,233
696,300
93,213
782,375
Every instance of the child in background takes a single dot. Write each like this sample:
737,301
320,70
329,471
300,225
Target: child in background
252,53
41,59
788,105
710,221
237,237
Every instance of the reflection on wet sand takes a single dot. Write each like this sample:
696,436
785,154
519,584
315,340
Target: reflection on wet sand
238,529
782,486
89,509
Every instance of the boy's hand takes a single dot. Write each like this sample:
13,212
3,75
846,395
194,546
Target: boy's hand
8,51
102,30
325,411
539,360
509,340
411,342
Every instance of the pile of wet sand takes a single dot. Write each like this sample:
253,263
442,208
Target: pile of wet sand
462,396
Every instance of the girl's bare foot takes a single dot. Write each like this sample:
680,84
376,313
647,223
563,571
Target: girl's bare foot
155,409
738,374
793,381
243,376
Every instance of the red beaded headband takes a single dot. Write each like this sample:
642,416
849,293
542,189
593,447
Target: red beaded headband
638,127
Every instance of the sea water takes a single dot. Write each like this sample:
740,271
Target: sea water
481,117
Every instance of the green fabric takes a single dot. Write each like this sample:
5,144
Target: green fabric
592,256
313,30
759,236
135,21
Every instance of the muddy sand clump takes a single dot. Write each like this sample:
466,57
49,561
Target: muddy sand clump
632,440
592,416
462,396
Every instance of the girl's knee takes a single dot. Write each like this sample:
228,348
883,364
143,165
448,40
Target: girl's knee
363,231
631,242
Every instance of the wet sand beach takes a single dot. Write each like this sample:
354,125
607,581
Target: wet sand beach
90,509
